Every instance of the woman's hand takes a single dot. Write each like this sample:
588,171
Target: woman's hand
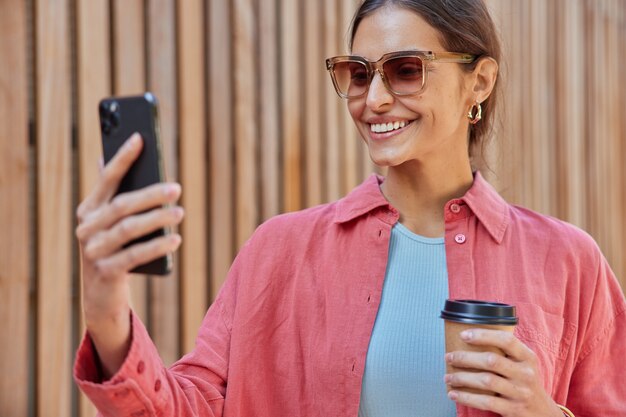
515,379
105,224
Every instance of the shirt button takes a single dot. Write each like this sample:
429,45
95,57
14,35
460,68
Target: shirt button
157,385
460,238
455,208
141,367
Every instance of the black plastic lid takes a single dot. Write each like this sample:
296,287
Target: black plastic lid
479,312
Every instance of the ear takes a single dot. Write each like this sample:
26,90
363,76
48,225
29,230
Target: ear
484,79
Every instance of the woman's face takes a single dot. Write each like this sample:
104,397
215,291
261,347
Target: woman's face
435,119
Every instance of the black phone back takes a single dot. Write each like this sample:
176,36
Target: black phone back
120,117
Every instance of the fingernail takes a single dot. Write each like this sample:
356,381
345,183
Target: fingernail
172,189
175,239
449,357
179,212
453,395
134,140
447,378
466,335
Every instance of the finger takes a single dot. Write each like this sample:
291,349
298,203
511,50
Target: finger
505,341
139,254
127,204
492,403
485,361
485,381
117,167
130,228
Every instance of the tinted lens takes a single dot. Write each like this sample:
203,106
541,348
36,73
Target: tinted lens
404,74
351,77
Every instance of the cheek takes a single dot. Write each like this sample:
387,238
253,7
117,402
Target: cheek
355,108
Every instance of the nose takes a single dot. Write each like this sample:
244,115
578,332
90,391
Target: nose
378,95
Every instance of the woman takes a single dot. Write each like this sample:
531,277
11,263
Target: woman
332,311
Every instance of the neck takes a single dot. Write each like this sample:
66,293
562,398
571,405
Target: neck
420,191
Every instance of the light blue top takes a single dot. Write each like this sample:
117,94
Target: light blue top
405,364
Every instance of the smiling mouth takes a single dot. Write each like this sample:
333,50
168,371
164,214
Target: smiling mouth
388,127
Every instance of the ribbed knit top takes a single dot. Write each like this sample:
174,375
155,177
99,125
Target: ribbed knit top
405,361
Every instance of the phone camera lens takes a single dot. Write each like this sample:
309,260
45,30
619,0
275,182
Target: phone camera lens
105,126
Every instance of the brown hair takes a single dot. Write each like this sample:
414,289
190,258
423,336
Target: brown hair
464,26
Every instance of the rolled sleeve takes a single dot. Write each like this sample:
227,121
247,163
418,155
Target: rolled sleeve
137,386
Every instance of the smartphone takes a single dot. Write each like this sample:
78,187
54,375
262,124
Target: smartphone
120,117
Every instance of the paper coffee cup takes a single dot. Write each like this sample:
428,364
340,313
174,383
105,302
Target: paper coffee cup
461,315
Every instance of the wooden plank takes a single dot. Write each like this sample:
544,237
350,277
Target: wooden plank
54,209
164,312
15,190
221,210
349,138
331,105
614,159
129,78
191,116
541,110
570,124
268,110
246,122
314,133
593,123
93,79
620,270
291,107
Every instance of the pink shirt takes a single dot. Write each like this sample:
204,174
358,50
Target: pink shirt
288,334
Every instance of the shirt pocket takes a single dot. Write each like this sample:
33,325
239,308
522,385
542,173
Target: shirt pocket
546,334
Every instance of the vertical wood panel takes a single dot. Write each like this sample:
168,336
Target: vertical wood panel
220,141
351,143
93,73
620,269
570,124
331,117
165,314
14,210
291,104
54,208
191,115
593,124
268,109
246,124
617,243
315,76
129,78
539,108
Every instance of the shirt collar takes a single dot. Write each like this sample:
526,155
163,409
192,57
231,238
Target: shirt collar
490,208
361,200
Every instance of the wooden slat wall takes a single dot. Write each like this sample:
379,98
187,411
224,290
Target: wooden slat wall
15,199
252,127
54,206
193,172
93,79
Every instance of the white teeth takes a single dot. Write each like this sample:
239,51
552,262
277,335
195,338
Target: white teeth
387,127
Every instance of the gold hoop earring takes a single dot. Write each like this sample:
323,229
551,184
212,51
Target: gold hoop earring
474,117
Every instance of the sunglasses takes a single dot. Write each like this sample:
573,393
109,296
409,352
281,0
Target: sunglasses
403,73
